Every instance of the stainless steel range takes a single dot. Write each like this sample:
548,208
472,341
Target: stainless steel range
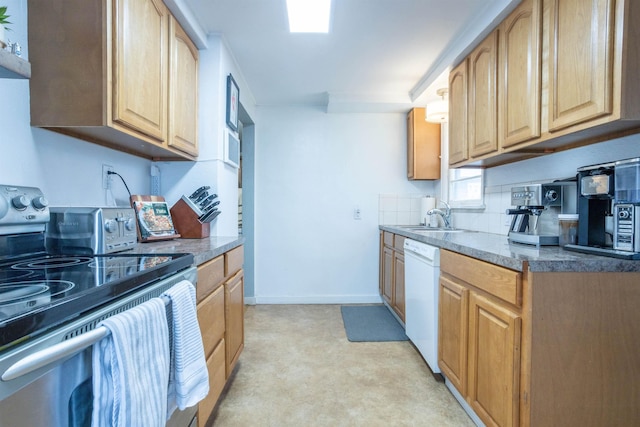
50,303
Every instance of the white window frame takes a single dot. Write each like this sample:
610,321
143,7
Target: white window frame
461,177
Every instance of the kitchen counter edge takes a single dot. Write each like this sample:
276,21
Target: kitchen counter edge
496,249
203,250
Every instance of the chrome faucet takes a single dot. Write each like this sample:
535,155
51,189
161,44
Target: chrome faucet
445,215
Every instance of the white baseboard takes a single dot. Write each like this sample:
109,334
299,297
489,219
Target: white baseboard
250,301
461,400
336,299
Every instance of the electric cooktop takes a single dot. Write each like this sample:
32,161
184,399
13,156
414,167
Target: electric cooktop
40,292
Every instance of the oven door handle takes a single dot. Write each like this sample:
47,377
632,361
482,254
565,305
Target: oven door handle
54,353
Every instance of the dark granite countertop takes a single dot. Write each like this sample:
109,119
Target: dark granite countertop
202,249
495,248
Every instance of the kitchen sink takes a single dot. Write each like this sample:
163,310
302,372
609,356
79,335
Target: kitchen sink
423,228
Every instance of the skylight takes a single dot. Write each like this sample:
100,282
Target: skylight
309,16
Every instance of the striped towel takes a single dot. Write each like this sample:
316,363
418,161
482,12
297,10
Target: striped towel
188,376
131,368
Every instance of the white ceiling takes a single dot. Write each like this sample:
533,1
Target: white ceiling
379,54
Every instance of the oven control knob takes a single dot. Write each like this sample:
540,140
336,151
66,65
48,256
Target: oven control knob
20,202
130,224
111,225
4,207
40,203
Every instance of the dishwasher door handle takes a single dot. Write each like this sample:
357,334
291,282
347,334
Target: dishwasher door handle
420,257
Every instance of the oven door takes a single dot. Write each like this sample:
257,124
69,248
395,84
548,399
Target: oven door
64,398
47,382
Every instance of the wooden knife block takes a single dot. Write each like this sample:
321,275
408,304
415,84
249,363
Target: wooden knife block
187,223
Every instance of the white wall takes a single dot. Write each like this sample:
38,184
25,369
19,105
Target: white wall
67,170
178,178
312,170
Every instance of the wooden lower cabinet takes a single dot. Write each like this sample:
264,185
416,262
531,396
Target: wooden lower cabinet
479,337
527,348
494,361
452,332
217,381
234,318
392,272
387,274
220,297
398,288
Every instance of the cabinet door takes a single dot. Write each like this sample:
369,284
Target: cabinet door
398,285
211,320
483,106
234,319
217,380
494,362
520,71
453,311
183,90
140,66
423,146
411,136
458,143
387,286
580,61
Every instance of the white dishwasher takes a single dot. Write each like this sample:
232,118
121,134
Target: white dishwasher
421,273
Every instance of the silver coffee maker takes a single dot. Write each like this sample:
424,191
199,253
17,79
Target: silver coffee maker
535,216
626,206
609,209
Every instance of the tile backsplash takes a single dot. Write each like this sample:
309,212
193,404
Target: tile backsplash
399,209
404,209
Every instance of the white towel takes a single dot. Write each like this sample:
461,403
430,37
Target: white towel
131,368
188,376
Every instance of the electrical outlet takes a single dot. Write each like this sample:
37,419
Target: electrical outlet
357,214
106,178
155,180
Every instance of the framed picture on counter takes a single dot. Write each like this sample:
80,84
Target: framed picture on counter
233,97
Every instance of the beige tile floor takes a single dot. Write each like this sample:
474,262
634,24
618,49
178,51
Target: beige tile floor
299,369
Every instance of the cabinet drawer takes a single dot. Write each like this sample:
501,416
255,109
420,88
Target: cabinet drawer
398,243
233,260
498,281
388,238
210,276
216,368
211,319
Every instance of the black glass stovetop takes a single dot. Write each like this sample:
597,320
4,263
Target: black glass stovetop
40,292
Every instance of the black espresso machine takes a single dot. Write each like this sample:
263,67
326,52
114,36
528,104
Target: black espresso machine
609,209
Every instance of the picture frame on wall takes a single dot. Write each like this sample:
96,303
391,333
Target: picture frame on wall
233,97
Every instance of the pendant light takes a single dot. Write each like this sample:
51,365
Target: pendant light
438,111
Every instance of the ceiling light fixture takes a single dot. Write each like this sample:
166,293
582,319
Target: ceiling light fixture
438,111
309,16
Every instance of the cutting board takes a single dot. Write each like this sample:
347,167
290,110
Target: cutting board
153,218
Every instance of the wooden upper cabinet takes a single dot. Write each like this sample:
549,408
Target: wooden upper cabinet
183,90
581,34
101,72
458,138
520,63
483,102
423,146
140,66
